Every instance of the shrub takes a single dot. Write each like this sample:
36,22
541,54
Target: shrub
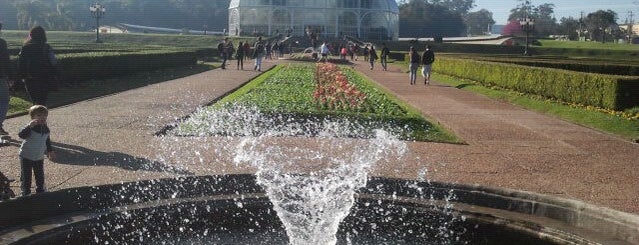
86,66
605,91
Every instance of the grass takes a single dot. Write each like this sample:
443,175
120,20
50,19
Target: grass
71,93
286,94
606,122
588,45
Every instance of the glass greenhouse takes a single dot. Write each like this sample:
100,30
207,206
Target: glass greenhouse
367,19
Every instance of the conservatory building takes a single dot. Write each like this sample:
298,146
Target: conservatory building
366,19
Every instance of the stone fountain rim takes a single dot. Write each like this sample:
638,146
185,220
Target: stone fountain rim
577,213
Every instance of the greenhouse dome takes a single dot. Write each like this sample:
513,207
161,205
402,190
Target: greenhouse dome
366,19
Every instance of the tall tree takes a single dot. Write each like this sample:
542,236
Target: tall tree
479,22
545,22
597,23
569,26
457,6
421,18
8,14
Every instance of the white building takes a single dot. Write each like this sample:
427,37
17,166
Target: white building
367,19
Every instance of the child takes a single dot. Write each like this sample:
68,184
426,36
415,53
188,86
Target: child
36,143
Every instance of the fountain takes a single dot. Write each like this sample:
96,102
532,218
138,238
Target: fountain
306,190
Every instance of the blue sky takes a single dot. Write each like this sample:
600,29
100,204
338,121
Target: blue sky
563,8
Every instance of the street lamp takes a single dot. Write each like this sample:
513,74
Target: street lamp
527,25
97,11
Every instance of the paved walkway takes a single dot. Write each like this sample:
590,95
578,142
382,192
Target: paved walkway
111,139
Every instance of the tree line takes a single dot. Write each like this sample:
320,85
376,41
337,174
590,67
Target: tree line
600,25
74,15
417,18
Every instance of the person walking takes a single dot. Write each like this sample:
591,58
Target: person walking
414,64
247,50
226,50
5,71
372,56
239,55
427,62
366,52
258,53
384,56
36,65
324,50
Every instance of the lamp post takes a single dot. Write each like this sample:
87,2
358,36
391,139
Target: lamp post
527,25
97,11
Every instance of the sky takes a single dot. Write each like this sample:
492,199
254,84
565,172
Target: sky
563,8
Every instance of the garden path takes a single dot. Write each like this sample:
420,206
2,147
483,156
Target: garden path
111,140
511,147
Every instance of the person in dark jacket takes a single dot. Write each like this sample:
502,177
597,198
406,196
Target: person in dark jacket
372,56
414,64
427,62
384,56
239,55
36,63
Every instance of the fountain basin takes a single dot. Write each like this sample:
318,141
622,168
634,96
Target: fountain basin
232,209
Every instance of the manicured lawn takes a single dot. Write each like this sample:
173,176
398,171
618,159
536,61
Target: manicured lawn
588,45
285,94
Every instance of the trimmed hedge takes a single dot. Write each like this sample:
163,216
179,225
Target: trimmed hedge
604,91
86,66
601,67
403,46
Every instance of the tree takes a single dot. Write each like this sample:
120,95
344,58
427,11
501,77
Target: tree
8,14
511,29
458,6
479,22
597,23
420,18
545,23
570,27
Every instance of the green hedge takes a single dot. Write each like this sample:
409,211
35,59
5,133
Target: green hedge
86,66
605,91
403,46
601,67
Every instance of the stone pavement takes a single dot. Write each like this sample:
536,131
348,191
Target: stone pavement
111,139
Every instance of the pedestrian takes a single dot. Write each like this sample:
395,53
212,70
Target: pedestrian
366,52
282,46
258,53
414,64
36,142
343,52
226,51
356,51
384,56
239,55
36,65
427,63
351,47
269,51
247,49
324,50
372,56
5,71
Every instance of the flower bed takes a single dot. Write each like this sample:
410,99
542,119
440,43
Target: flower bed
333,91
300,94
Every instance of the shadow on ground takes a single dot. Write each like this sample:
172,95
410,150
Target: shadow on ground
77,155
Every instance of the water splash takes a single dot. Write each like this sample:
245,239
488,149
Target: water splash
310,168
